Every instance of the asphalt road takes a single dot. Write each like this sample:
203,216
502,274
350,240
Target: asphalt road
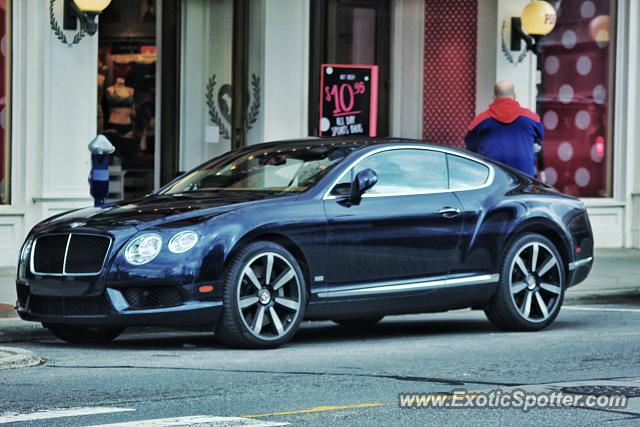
327,375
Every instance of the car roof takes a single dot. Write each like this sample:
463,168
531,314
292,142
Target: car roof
354,143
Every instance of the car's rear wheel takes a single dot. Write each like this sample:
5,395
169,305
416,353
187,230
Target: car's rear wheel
84,334
358,323
264,297
531,288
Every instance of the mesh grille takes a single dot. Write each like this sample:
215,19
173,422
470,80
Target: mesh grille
156,297
49,254
85,254
94,306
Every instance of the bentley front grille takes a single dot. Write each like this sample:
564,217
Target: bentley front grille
69,254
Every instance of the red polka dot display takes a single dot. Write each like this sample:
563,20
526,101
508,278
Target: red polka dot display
449,91
574,101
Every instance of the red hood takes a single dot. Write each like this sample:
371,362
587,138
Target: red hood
505,110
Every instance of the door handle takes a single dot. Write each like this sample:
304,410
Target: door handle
449,212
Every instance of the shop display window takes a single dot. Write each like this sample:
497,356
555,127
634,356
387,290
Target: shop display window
576,98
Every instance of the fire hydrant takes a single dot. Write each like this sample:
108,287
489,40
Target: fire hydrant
101,150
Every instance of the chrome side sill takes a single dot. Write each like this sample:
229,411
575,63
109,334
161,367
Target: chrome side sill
576,264
405,286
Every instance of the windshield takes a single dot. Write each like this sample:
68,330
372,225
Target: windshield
291,168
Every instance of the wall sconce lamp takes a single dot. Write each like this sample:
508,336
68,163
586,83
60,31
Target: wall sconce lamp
84,11
537,20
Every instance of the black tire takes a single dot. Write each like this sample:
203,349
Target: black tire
508,309
84,334
233,327
358,323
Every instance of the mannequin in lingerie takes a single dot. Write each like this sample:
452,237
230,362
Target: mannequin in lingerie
120,101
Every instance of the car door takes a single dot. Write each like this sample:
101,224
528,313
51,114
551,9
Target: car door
471,180
406,226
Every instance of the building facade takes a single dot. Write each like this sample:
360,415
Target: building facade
181,81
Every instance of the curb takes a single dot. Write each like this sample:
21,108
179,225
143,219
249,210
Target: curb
603,297
14,358
7,311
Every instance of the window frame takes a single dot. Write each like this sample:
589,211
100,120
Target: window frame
328,196
460,188
8,143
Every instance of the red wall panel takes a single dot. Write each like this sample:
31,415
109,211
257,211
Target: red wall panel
449,90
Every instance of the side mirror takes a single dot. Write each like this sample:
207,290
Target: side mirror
364,180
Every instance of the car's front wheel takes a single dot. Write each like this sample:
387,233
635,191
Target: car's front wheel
264,297
531,288
84,334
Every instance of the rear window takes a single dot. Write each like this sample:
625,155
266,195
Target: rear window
466,173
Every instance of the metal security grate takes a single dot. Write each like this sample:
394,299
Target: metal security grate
152,297
603,390
70,254
46,306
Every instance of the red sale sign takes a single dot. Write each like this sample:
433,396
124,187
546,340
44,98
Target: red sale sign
348,100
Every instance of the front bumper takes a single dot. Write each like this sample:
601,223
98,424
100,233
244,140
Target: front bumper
113,310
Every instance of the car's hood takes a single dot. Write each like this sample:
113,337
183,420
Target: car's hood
158,209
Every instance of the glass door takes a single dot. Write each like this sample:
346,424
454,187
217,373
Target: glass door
350,32
206,80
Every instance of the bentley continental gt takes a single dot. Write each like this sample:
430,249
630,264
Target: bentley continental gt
252,242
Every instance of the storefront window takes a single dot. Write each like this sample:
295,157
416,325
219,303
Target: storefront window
127,59
5,74
576,98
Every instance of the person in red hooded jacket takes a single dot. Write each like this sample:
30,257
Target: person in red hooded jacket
507,132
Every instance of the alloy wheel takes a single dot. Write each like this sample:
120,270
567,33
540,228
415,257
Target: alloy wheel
269,296
535,282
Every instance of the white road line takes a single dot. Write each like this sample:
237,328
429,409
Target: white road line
619,310
195,420
12,417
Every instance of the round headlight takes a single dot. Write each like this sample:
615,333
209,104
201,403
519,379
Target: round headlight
183,241
143,249
26,250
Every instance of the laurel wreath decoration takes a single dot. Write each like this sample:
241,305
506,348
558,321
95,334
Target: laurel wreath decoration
254,108
252,114
60,35
507,52
214,116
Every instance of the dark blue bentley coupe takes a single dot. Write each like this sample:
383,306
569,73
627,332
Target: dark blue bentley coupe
251,243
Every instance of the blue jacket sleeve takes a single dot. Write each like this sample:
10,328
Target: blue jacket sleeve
471,140
538,130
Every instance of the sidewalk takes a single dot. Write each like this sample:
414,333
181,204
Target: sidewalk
7,291
615,277
12,358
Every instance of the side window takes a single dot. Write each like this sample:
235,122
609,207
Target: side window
465,173
403,171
